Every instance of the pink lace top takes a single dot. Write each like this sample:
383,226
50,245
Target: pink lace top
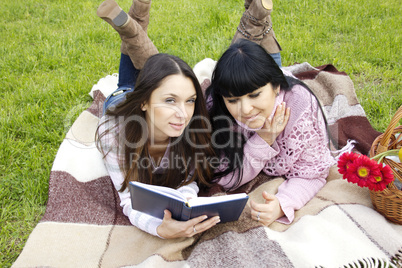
300,153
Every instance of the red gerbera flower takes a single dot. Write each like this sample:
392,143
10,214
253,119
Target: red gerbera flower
380,182
363,170
366,172
344,161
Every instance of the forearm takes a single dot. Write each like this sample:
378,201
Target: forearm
140,220
294,194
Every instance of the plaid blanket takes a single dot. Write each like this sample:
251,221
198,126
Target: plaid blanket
84,226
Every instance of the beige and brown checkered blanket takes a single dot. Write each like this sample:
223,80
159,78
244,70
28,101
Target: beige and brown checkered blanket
84,225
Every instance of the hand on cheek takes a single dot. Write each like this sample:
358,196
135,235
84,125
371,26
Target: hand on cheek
273,127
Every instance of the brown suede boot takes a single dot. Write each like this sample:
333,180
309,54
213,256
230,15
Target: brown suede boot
256,25
139,46
139,11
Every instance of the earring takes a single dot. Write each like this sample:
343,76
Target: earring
277,93
143,107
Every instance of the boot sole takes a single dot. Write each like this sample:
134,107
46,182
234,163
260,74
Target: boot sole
111,11
267,4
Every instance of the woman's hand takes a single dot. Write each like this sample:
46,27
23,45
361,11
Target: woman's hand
268,212
273,127
171,228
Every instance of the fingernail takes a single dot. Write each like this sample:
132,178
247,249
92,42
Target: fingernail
218,220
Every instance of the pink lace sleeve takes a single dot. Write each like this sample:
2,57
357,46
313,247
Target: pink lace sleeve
305,160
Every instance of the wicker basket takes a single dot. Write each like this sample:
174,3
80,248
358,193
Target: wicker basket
389,201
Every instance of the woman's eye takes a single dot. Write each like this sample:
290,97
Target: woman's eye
170,100
191,100
232,100
254,95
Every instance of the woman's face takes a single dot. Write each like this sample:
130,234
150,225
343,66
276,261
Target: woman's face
254,108
170,107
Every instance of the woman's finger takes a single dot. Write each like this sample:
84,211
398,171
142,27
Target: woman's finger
268,197
256,215
287,115
167,215
280,112
257,206
197,220
205,225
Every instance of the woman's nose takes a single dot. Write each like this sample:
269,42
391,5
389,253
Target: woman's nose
182,111
246,107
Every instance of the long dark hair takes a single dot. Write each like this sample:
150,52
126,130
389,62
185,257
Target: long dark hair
243,68
134,129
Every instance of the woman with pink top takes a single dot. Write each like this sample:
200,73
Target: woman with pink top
266,120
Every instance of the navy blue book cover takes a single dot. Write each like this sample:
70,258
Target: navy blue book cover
153,200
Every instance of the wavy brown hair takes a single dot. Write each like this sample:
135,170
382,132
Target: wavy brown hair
126,122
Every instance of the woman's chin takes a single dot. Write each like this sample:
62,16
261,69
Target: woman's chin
254,125
175,134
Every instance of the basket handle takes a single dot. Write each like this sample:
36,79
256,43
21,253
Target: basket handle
383,145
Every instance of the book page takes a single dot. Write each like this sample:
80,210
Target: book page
214,199
166,191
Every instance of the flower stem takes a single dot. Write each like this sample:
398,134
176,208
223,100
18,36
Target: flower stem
381,156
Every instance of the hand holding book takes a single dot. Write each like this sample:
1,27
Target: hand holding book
171,228
153,200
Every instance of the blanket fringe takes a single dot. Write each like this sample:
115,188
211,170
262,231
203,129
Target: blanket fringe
370,263
345,149
397,259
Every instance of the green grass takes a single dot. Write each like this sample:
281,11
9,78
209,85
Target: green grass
53,51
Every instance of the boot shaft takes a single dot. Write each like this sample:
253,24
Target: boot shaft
256,25
135,41
139,11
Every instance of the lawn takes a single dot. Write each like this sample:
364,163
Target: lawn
53,51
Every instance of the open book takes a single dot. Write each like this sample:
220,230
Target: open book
153,200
